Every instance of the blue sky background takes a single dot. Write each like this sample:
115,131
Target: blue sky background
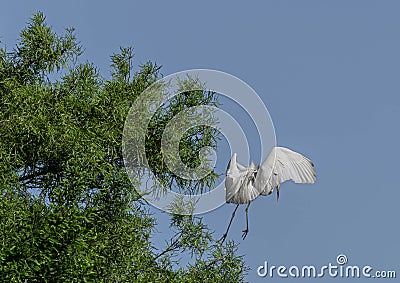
328,71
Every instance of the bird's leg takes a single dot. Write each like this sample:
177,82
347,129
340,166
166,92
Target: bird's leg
277,192
247,222
229,226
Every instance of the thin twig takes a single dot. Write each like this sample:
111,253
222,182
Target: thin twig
169,248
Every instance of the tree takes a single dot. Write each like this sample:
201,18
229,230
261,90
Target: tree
68,212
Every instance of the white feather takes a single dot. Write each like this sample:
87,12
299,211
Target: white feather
244,184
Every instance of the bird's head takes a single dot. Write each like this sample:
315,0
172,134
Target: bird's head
253,166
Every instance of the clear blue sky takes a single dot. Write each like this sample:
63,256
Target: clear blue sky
329,73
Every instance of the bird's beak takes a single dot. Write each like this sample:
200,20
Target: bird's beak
277,192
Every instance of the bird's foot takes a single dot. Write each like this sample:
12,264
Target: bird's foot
245,232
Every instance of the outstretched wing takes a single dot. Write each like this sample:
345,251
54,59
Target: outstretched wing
288,165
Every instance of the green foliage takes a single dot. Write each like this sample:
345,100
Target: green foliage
68,212
192,141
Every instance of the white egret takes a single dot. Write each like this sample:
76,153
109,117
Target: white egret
243,185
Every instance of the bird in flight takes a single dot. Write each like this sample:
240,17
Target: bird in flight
244,184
